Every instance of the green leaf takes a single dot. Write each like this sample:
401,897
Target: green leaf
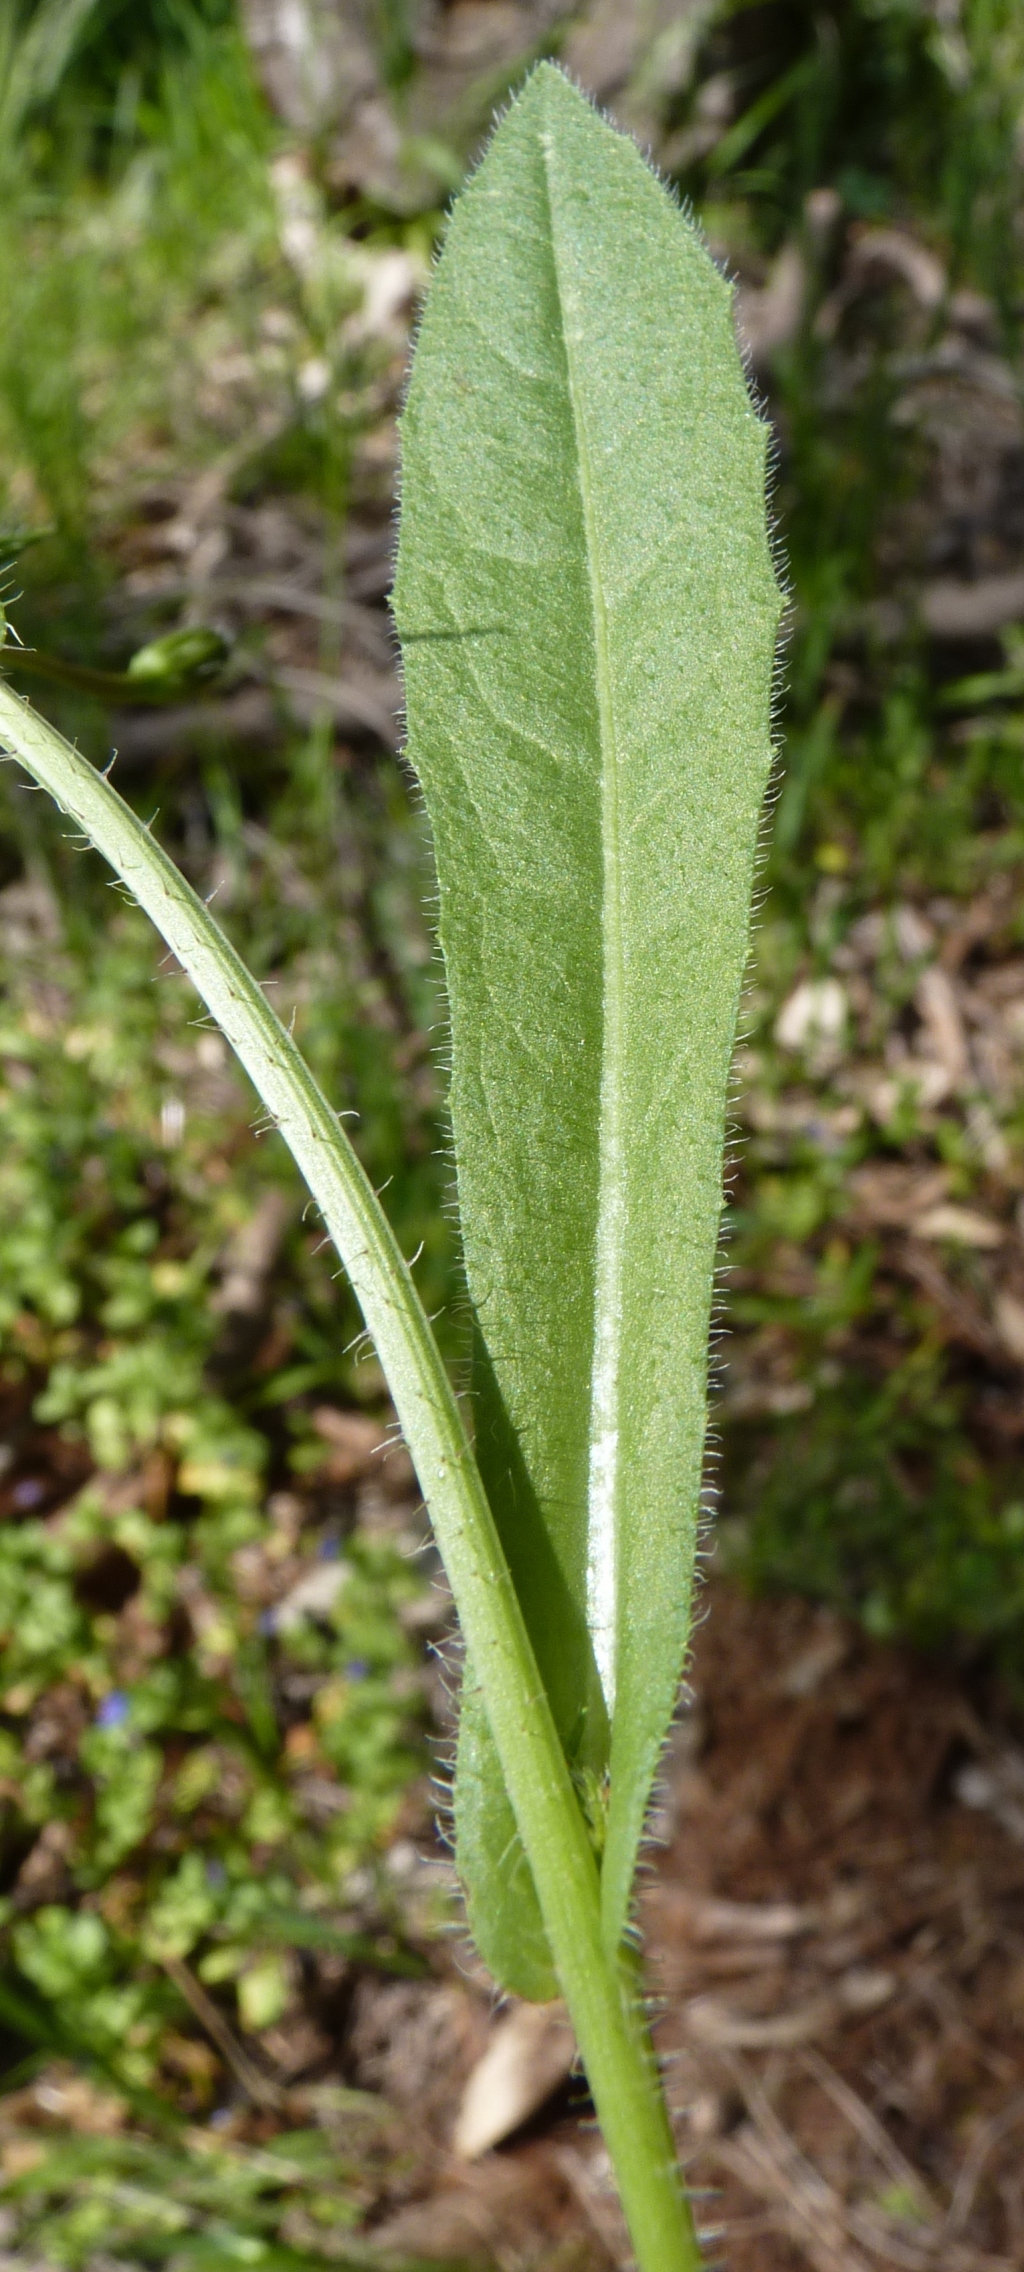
588,612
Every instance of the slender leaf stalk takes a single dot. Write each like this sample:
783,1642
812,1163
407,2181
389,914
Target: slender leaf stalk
619,2064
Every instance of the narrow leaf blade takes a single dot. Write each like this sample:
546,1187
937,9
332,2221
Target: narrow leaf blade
588,611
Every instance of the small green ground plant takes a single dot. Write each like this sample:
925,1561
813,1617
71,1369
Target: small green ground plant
189,1474
588,610
288,2206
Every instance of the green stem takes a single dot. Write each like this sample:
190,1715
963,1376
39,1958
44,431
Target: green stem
110,686
179,677
617,2058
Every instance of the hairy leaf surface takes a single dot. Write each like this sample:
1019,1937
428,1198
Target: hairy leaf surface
588,611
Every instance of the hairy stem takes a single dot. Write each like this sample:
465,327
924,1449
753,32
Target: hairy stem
617,2058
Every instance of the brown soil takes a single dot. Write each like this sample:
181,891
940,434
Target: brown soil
850,2036
835,1930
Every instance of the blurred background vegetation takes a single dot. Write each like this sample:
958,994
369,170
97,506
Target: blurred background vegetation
215,1591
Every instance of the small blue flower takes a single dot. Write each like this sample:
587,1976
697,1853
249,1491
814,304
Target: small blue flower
114,1709
357,1669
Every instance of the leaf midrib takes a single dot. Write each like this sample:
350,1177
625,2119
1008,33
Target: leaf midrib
603,1431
